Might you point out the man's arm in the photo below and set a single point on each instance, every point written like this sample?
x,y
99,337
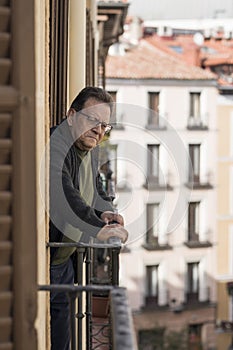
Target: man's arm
x,y
67,205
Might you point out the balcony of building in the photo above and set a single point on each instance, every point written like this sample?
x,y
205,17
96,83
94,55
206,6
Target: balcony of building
x,y
100,317
198,123
197,240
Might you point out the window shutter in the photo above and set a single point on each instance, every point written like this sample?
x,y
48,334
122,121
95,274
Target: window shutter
x,y
7,103
58,59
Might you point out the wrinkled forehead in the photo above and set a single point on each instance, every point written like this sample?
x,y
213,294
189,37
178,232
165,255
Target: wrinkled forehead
x,y
97,109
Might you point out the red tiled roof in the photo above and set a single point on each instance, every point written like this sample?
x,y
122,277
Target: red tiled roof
x,y
148,62
215,61
210,54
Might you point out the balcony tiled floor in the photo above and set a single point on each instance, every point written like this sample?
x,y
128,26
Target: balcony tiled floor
x,y
100,333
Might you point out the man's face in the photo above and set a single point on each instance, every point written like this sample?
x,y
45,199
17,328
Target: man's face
x,y
86,135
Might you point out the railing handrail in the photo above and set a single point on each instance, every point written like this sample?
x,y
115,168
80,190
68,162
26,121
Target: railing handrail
x,y
74,288
111,244
122,324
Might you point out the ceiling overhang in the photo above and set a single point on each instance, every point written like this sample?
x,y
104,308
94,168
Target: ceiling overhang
x,y
111,18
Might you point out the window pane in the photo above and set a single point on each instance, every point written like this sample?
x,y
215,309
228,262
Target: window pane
x,y
114,118
154,101
193,221
153,161
153,113
193,277
152,280
194,171
195,104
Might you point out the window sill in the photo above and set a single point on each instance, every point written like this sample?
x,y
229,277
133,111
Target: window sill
x,y
151,302
154,186
156,247
198,244
155,127
155,306
199,186
198,127
195,304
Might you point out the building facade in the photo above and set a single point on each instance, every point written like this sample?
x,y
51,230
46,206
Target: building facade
x,y
165,144
39,76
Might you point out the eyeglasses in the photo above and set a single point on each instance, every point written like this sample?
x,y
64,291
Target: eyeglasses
x,y
94,122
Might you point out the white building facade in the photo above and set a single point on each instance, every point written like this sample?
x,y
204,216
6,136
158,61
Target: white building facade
x,y
164,161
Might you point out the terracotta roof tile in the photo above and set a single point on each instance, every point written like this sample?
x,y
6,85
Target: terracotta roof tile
x,y
148,62
210,54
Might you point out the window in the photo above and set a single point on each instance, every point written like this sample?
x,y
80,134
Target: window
x,y
153,163
195,105
193,282
108,168
114,97
193,221
152,224
152,284
194,171
196,120
117,115
153,113
176,48
194,337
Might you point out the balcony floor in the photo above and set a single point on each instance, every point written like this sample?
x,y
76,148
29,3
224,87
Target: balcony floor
x,y
101,333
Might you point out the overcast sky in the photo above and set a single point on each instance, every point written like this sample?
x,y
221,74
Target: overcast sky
x,y
178,9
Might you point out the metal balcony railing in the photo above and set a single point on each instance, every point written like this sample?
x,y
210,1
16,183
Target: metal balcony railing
x,y
107,325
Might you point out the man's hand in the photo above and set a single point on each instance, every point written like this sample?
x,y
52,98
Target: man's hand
x,y
114,230
109,216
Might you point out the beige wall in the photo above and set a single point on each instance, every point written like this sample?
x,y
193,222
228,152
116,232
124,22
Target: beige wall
x,y
225,114
225,218
77,48
223,340
224,128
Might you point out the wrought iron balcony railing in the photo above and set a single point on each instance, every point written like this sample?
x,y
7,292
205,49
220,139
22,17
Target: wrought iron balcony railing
x,y
100,316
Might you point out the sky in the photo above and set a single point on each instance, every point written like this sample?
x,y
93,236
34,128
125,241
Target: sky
x,y
181,9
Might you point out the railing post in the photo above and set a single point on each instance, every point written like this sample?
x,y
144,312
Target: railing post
x,y
72,298
80,315
88,300
115,251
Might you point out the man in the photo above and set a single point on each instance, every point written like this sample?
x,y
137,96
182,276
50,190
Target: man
x,y
79,208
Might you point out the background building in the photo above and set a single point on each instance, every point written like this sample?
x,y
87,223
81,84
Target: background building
x,y
178,9
166,114
210,49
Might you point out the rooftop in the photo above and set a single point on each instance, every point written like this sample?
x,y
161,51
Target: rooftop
x,y
213,54
148,61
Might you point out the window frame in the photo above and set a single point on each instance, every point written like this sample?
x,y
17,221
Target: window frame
x,y
194,221
152,292
153,171
152,237
192,292
195,163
